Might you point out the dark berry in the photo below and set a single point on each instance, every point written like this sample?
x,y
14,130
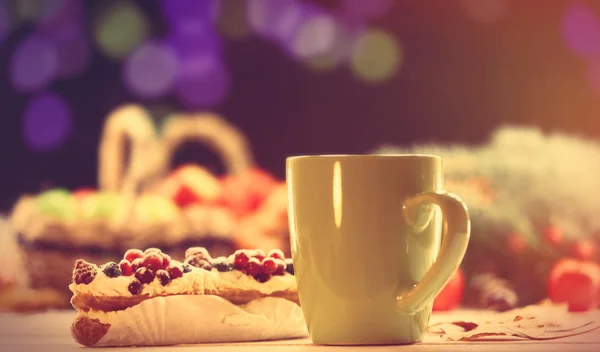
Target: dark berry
x,y
289,266
199,252
135,287
269,266
145,275
166,260
164,277
262,277
152,250
199,263
152,261
186,268
136,264
240,260
276,253
280,267
222,264
126,268
112,269
175,272
84,272
133,254
254,267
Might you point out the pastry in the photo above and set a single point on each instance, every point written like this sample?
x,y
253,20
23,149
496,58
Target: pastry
x,y
151,283
141,203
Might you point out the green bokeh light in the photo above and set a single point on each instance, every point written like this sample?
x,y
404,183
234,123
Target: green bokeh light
x,y
376,56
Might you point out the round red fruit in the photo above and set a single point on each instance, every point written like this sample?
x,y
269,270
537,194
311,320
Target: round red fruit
x,y
553,235
133,254
152,261
452,294
280,271
144,275
166,260
269,266
584,249
126,267
152,250
276,253
175,272
137,263
253,267
576,283
240,260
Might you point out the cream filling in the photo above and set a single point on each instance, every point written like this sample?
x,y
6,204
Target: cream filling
x,y
195,282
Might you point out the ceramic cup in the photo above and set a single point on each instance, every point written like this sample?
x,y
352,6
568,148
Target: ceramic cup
x,y
374,239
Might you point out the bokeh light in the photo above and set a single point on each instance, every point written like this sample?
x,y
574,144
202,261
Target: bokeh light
x,y
581,31
206,90
34,63
376,56
315,37
74,56
368,9
150,71
264,16
190,12
232,22
120,29
46,122
198,52
485,11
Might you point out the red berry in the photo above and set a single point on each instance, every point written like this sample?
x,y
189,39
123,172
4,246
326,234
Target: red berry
x,y
553,235
175,272
254,267
240,260
280,267
584,249
133,254
135,287
152,261
163,277
575,282
137,263
166,260
260,257
276,253
152,250
145,275
84,272
269,266
126,267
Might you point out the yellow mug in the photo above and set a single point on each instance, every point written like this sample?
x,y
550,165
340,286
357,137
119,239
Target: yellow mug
x,y
374,240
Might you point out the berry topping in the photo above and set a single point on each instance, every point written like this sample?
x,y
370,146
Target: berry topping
x,y
262,277
175,272
289,266
126,268
137,263
133,254
111,269
84,272
135,287
152,261
199,262
222,264
276,253
199,252
186,268
254,267
164,277
145,275
280,271
166,260
269,266
152,250
240,260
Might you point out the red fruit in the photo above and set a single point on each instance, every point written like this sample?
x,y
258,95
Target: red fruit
x,y
253,267
280,267
276,253
452,294
163,277
135,287
137,263
244,192
152,261
126,267
191,184
145,275
133,254
166,260
516,243
553,235
269,266
84,272
81,193
175,272
584,249
240,260
152,250
575,282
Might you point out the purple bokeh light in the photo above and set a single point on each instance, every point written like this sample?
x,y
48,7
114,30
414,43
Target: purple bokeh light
x,y
46,122
34,63
366,9
182,13
204,91
151,70
581,31
264,16
316,36
197,52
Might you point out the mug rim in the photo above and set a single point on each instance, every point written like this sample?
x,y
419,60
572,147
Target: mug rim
x,y
369,156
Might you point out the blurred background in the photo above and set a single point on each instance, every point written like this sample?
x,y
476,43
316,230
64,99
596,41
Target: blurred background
x,y
296,76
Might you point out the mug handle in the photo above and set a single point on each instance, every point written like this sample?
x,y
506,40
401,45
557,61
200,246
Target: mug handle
x,y
456,231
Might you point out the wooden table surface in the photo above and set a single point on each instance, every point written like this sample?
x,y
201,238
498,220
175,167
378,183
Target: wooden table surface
x,y
50,332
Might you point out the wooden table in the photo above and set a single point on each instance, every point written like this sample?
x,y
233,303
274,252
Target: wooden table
x,y
49,332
